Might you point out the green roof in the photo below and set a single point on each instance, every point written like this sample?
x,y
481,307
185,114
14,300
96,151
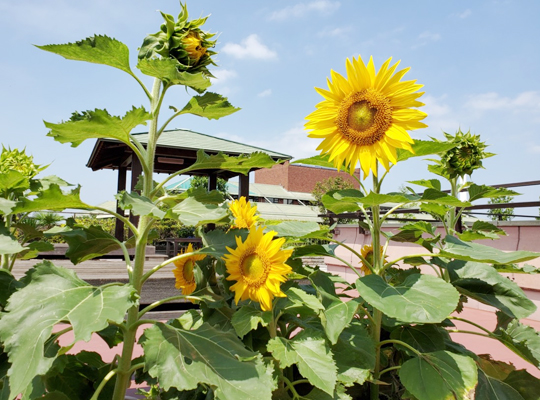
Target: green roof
x,y
189,140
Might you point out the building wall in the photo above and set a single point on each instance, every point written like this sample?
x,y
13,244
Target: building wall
x,y
299,178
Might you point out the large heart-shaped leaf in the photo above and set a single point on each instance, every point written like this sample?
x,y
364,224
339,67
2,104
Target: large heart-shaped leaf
x,y
8,286
311,353
98,49
98,124
184,358
484,283
424,338
166,69
439,375
527,385
241,164
419,299
216,242
340,201
424,148
192,212
468,251
247,318
209,105
477,192
53,295
490,388
521,339
139,205
52,199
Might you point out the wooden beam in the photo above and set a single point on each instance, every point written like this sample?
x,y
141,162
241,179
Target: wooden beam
x,y
136,171
243,186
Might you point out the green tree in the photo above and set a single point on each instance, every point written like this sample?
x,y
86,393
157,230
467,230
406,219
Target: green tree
x,y
202,182
324,186
501,214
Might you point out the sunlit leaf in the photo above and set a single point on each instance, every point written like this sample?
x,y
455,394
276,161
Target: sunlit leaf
x,y
216,242
477,192
53,295
6,206
139,205
424,338
53,199
34,248
521,339
166,69
431,183
424,148
209,105
12,181
340,201
8,245
241,164
419,299
312,355
294,228
247,318
98,124
192,212
320,161
184,358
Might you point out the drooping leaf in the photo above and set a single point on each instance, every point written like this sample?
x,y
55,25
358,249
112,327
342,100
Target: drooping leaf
x,y
314,250
354,354
439,375
481,230
247,318
53,295
485,284
8,245
184,358
319,161
424,338
98,124
52,199
209,105
193,213
299,296
340,201
166,69
311,354
337,314
527,385
45,182
477,192
98,49
241,164
294,228
139,205
429,183
34,248
490,388
419,299
424,148
468,251
521,339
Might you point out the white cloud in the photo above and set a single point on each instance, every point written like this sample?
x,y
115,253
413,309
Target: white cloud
x,y
250,47
526,101
265,93
222,76
323,7
440,117
336,32
425,38
464,14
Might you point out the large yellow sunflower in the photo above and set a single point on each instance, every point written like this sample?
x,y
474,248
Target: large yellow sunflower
x,y
243,213
366,116
367,253
258,267
183,271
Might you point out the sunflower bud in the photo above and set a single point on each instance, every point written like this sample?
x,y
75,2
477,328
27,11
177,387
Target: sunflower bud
x,y
19,161
183,41
466,156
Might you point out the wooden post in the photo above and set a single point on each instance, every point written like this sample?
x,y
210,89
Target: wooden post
x,y
136,171
119,226
212,182
243,186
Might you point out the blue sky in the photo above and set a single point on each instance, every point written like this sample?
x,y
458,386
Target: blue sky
x,y
479,62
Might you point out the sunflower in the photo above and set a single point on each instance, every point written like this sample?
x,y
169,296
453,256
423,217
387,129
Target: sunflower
x,y
185,277
367,253
366,116
194,46
243,213
258,267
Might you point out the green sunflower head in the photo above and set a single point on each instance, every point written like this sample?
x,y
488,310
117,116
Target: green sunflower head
x,y
18,160
466,156
183,41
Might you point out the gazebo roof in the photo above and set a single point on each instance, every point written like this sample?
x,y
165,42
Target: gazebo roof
x,y
176,149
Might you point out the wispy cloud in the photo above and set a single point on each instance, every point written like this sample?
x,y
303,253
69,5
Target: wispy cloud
x,y
250,47
265,93
465,14
323,7
526,101
335,32
440,117
425,38
223,76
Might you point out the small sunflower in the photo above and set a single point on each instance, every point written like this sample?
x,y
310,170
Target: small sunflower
x,y
184,274
258,267
194,46
243,213
367,253
366,116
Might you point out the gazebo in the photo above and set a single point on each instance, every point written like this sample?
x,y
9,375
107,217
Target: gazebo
x,y
176,150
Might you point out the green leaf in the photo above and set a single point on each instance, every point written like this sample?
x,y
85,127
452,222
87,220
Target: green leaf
x,y
53,295
182,359
320,161
486,285
192,212
354,353
437,197
55,396
166,69
477,192
209,105
468,251
299,296
314,250
424,338
96,49
98,124
340,201
522,340
424,148
311,353
419,299
139,205
247,318
52,199
216,241
431,183
13,181
490,388
8,245
439,375
34,248
526,384
294,228
8,286
337,314
340,393
241,164
6,206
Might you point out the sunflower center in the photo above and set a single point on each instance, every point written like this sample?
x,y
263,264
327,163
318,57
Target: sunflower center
x,y
254,269
188,271
364,117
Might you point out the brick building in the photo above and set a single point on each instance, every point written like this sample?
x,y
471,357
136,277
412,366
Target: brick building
x,y
298,177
